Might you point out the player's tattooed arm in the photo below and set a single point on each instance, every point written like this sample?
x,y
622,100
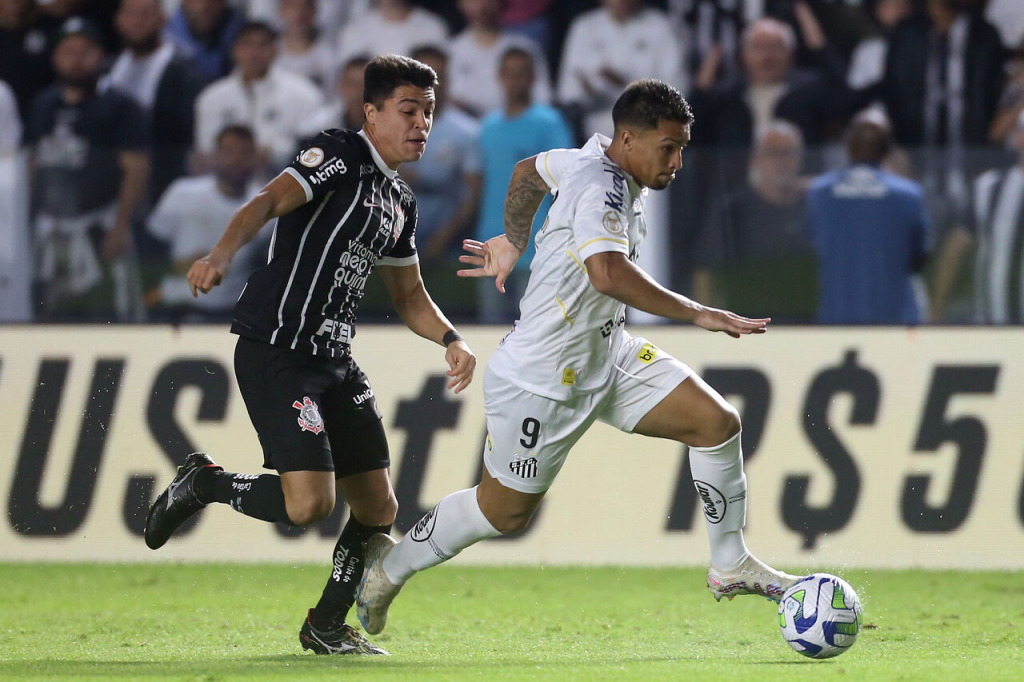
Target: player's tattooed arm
x,y
526,191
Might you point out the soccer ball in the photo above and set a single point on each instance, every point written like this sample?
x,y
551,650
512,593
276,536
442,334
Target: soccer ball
x,y
820,616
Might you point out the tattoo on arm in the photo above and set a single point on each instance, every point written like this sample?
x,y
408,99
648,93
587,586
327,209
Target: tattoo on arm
x,y
526,191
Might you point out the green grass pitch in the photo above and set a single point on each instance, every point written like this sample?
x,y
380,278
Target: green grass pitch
x,y
240,622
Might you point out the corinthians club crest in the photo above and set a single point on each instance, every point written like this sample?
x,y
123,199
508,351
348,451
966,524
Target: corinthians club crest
x,y
309,415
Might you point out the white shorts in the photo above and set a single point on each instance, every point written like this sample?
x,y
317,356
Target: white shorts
x,y
529,436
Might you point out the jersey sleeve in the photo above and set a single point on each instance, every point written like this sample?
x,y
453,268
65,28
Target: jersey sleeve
x,y
324,165
600,222
553,165
404,251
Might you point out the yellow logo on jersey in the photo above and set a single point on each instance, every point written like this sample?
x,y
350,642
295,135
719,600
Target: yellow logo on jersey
x,y
490,443
569,377
647,353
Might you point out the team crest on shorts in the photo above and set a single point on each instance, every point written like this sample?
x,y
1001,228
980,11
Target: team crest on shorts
x,y
523,467
309,415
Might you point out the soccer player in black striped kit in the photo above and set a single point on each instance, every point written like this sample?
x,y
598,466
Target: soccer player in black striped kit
x,y
341,209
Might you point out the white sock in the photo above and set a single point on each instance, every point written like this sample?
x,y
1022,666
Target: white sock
x,y
722,490
447,529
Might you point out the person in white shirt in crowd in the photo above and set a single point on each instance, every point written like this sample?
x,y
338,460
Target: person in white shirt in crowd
x,y
302,48
608,48
190,218
475,56
447,179
346,111
162,81
271,101
391,27
10,132
331,15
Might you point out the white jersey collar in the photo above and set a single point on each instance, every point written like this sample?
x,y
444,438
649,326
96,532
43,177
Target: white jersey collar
x,y
598,144
384,168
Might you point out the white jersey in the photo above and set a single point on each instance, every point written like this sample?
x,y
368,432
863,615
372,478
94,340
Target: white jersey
x,y
568,334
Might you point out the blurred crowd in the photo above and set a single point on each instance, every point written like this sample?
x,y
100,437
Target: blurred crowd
x,y
852,161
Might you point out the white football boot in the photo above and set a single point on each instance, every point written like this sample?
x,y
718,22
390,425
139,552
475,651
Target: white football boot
x,y
750,577
375,592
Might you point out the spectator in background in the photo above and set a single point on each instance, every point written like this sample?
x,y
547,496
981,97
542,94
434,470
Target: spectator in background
x,y
755,255
475,53
301,49
734,112
708,25
610,47
999,210
346,112
205,30
867,64
191,217
391,27
162,82
943,78
10,131
1011,103
528,18
272,102
446,179
509,135
26,41
89,177
331,15
870,230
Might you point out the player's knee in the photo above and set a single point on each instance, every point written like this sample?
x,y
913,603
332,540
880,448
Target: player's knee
x,y
726,425
310,509
376,512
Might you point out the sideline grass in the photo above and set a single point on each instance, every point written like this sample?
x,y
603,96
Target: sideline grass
x,y
240,622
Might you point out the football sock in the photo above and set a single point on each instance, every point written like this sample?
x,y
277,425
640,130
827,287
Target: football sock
x,y
722,490
340,592
450,527
259,496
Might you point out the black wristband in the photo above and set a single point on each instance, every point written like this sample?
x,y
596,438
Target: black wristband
x,y
450,337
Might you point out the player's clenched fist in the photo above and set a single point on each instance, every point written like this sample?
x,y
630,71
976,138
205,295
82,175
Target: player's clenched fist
x,y
206,273
462,362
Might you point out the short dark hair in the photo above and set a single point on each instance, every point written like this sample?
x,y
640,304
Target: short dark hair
x,y
236,130
517,51
256,27
868,142
390,71
427,51
645,103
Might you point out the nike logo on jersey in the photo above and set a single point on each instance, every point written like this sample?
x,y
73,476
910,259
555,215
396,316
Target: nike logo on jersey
x,y
369,204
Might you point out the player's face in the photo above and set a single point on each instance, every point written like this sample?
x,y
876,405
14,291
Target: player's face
x,y
402,124
654,156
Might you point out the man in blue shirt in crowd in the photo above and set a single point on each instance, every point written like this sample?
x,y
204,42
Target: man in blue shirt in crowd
x,y
870,229
519,131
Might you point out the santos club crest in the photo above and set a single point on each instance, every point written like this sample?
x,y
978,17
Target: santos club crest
x,y
309,415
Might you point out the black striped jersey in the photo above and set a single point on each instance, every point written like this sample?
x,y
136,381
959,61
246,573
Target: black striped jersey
x,y
358,213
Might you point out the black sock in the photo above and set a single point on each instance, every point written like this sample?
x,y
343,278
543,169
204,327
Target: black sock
x,y
259,496
340,592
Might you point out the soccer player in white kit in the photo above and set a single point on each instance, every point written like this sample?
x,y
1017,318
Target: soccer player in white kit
x,y
568,361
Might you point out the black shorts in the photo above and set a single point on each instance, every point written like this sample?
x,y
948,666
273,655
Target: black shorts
x,y
311,413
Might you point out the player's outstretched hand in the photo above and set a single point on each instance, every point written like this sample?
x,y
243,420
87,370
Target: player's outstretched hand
x,y
206,273
715,320
462,362
494,258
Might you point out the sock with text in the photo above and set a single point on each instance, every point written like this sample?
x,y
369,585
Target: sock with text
x,y
722,490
